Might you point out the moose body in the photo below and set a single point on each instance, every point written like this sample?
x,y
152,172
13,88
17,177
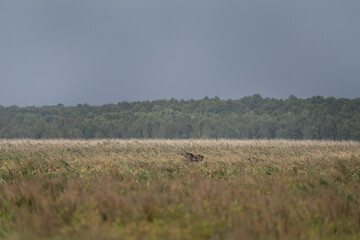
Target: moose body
x,y
192,157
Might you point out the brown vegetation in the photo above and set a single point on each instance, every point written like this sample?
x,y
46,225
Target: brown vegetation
x,y
142,189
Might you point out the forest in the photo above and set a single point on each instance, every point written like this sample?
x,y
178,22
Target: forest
x,y
252,117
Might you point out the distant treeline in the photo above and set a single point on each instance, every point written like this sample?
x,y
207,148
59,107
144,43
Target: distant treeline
x,y
248,117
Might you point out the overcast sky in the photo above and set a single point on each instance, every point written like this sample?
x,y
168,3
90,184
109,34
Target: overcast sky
x,y
108,51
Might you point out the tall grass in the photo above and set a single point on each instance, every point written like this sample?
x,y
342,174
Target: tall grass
x,y
143,189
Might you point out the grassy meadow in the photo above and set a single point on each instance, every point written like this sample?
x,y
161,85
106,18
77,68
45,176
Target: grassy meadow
x,y
143,189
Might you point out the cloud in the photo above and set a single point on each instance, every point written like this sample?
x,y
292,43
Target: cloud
x,y
98,52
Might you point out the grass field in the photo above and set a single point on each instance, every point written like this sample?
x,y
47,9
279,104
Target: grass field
x,y
143,189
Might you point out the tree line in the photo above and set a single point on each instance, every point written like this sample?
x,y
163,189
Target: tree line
x,y
250,117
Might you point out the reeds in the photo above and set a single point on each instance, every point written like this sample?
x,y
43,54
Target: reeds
x,y
142,189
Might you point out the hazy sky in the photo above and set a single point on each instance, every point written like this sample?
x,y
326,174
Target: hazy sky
x,y
107,51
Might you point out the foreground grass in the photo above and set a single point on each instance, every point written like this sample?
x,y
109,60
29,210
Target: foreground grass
x,y
142,189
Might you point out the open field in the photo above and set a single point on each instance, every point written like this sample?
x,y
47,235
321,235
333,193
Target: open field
x,y
143,189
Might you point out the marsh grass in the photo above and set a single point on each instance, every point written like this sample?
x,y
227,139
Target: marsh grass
x,y
143,189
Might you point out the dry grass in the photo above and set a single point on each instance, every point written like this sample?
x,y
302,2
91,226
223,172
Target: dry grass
x,y
142,189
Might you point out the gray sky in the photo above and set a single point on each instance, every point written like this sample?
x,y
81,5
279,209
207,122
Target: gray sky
x,y
107,51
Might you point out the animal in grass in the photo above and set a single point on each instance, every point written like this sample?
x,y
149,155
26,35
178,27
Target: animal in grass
x,y
191,157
